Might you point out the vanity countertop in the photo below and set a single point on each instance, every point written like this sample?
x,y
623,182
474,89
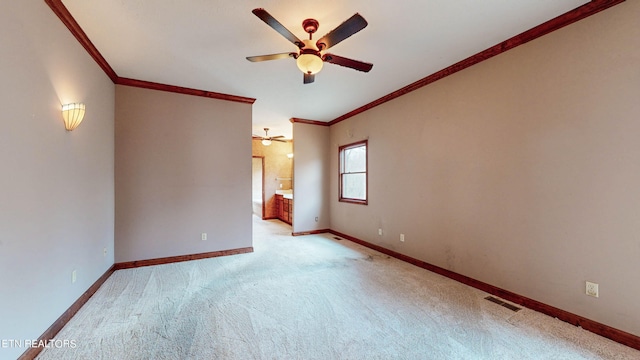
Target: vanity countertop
x,y
287,194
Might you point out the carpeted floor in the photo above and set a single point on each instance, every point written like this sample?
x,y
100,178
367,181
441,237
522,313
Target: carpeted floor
x,y
310,297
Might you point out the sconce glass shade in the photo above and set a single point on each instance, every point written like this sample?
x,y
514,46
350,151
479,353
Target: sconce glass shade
x,y
309,63
72,115
266,142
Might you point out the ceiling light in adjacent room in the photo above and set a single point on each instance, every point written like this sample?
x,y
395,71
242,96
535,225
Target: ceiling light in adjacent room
x,y
266,142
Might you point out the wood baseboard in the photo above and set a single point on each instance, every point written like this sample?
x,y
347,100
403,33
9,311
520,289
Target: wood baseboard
x,y
180,258
53,330
609,332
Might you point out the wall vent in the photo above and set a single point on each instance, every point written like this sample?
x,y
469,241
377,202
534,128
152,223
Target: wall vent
x,y
502,303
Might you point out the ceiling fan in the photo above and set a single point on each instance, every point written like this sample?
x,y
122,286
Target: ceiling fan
x,y
310,56
266,139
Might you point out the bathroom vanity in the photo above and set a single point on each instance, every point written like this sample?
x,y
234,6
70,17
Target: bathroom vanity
x,y
284,205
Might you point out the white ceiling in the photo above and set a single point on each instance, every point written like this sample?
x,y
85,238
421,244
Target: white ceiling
x,y
202,44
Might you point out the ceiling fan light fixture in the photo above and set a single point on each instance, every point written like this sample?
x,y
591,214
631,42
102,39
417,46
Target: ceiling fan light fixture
x,y
310,58
309,63
266,142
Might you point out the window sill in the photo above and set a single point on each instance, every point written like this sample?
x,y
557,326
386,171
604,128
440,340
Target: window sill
x,y
354,201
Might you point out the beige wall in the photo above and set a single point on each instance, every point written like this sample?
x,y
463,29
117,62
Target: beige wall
x,y
183,167
277,167
56,187
311,177
521,171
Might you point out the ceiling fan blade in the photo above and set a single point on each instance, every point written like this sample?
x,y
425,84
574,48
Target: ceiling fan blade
x,y
308,78
350,63
276,137
275,24
351,26
270,57
281,140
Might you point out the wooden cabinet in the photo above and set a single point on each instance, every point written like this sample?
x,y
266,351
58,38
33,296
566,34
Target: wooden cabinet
x,y
279,208
284,209
288,210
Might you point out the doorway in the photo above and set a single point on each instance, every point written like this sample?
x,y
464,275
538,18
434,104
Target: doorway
x,y
257,185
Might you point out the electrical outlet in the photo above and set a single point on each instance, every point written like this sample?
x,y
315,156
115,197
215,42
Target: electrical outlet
x,y
402,237
203,236
73,276
316,219
592,289
104,252
380,232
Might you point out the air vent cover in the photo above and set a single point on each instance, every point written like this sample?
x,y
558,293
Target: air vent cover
x,y
502,303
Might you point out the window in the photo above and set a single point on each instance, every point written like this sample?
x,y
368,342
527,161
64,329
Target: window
x,y
353,173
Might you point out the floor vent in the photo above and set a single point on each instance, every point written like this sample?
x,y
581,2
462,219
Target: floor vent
x,y
502,303
337,238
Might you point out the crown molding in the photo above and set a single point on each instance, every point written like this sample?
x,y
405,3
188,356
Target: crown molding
x,y
65,16
67,19
577,14
310,122
182,90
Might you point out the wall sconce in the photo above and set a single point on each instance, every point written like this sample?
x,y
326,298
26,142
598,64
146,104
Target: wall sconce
x,y
290,156
72,115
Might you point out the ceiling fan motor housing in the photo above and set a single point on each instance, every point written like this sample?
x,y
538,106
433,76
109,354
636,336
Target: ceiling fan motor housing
x,y
310,26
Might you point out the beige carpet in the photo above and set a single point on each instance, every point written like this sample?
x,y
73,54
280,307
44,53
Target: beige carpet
x,y
310,297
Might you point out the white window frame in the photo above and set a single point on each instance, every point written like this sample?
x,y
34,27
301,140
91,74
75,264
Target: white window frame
x,y
342,173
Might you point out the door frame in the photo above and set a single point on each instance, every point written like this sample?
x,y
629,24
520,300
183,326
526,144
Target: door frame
x,y
262,161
